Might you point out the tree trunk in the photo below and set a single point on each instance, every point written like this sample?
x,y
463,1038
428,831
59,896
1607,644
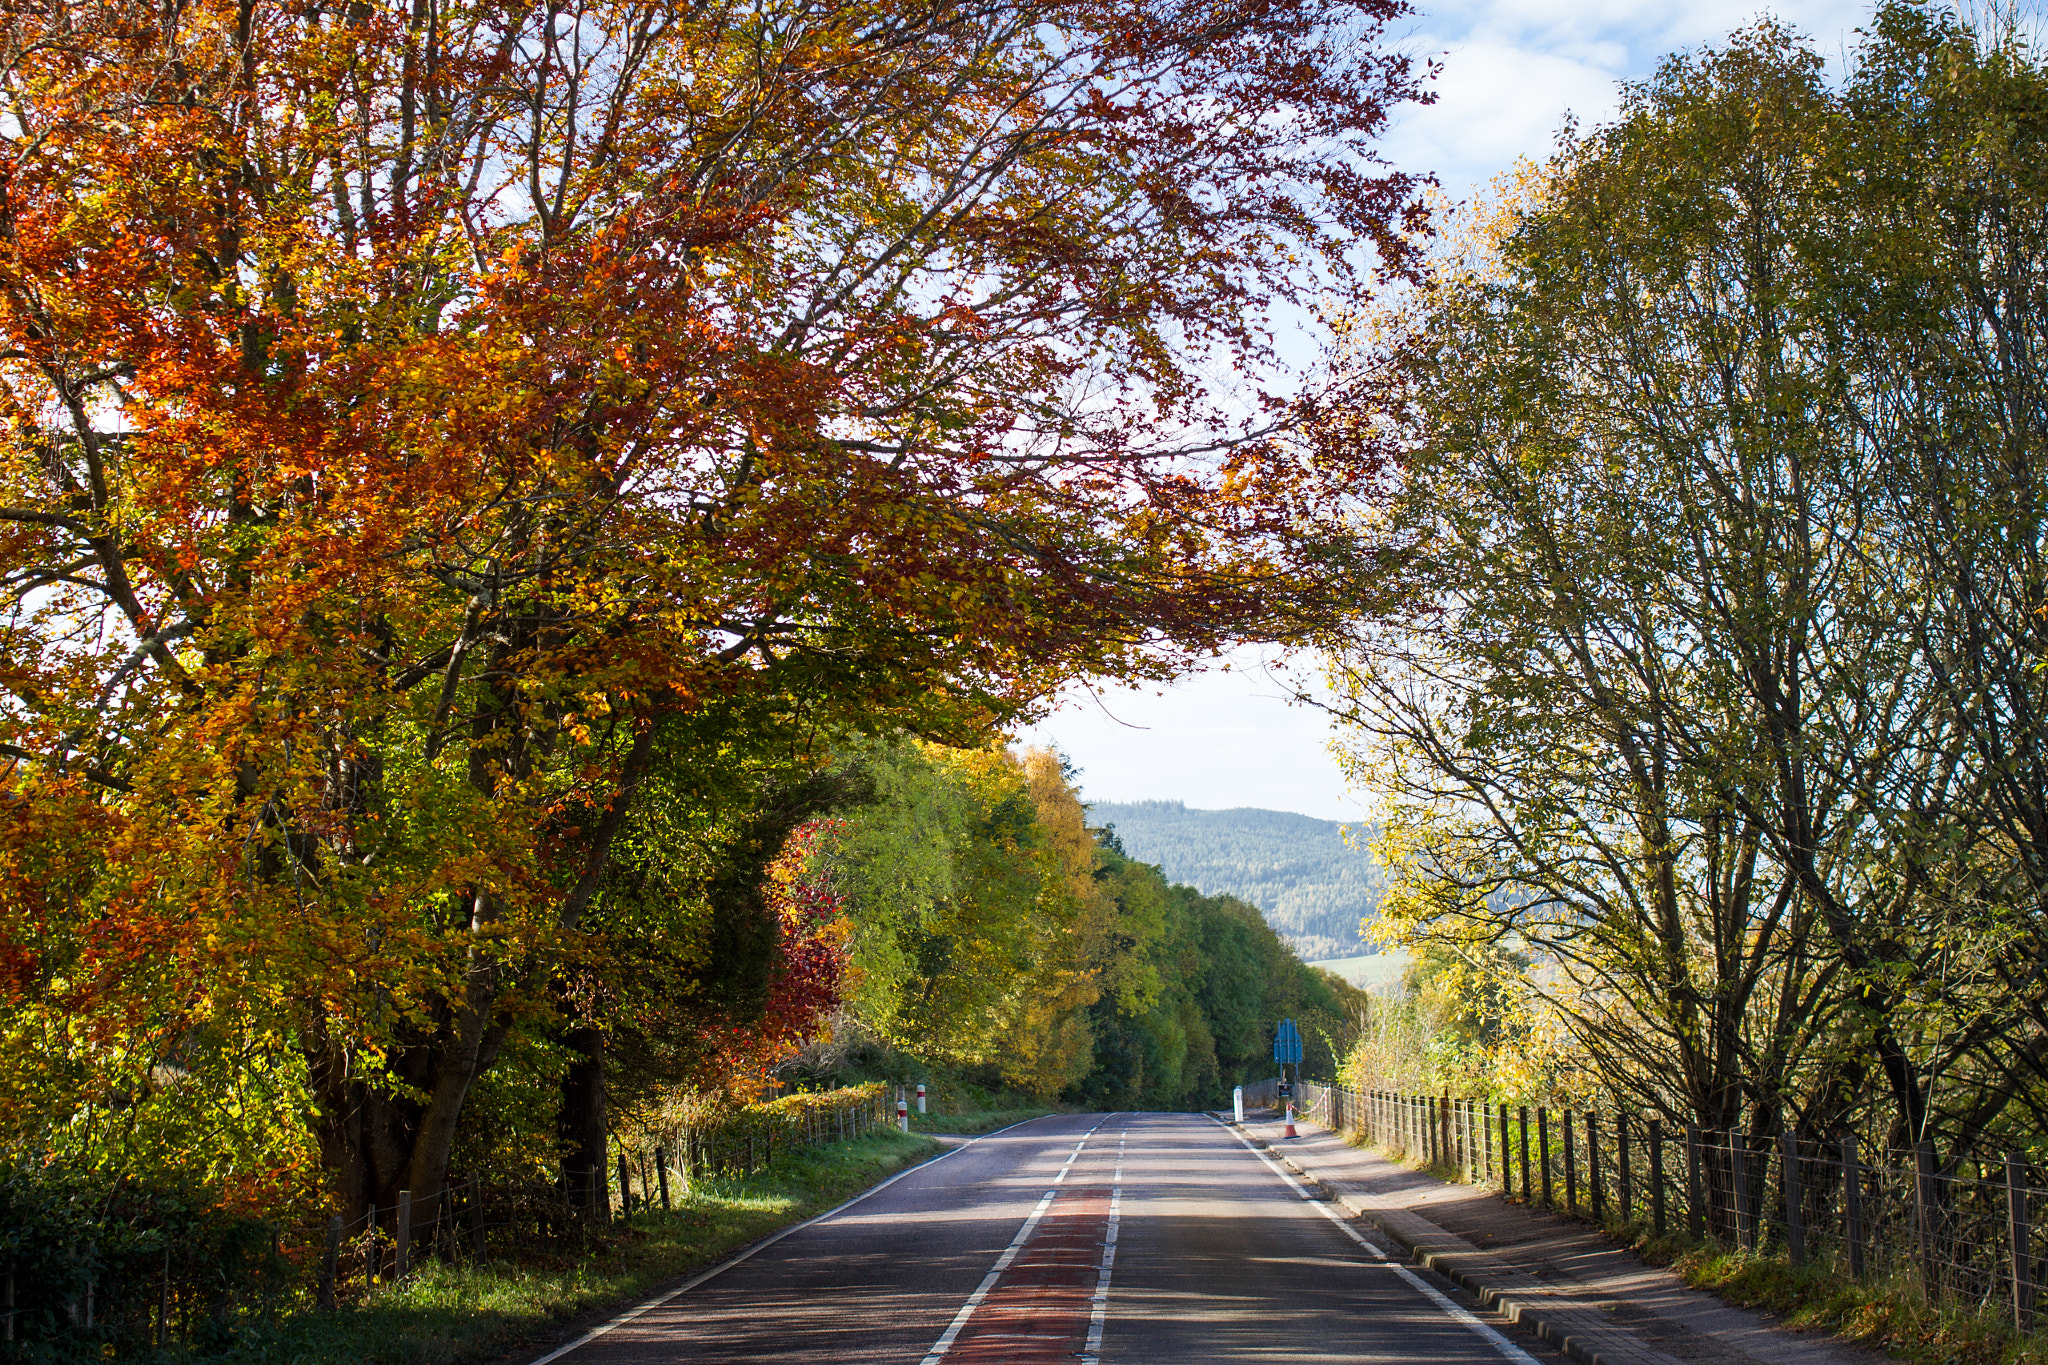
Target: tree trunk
x,y
581,1124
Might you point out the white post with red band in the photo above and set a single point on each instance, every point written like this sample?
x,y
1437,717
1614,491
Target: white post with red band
x,y
920,1097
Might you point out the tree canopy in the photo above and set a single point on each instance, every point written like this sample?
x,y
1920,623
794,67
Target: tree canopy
x,y
470,471
1719,700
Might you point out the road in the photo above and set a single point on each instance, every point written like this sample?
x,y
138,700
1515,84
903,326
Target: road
x,y
1119,1238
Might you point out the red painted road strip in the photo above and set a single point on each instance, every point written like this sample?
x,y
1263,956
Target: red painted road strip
x,y
1038,1310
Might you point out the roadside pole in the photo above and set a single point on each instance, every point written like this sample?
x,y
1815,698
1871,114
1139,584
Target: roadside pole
x,y
1287,1052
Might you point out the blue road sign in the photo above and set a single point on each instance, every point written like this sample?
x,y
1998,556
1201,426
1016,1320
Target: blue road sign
x,y
1287,1043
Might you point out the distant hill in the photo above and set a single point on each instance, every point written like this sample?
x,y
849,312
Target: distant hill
x,y
1312,886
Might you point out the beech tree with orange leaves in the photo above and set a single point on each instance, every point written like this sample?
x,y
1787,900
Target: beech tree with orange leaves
x,y
411,408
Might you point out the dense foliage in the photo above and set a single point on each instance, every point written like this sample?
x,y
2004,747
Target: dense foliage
x,y
464,468
1715,738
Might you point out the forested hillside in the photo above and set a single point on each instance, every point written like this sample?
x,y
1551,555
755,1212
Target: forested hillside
x,y
1312,885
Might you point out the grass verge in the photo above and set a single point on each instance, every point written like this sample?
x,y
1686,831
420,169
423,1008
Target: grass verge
x,y
1887,1315
447,1314
974,1123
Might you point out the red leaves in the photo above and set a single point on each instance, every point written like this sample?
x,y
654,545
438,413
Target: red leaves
x,y
409,408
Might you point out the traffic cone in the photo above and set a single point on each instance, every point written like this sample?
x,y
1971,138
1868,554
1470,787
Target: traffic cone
x,y
1290,1120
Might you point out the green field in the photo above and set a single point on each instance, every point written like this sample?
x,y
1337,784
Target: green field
x,y
1373,969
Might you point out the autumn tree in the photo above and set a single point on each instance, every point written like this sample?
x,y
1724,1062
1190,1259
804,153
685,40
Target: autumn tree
x,y
1706,704
411,408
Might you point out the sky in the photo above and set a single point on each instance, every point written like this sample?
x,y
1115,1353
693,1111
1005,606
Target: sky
x,y
1512,70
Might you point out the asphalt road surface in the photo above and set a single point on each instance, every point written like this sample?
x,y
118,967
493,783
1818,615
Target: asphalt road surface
x,y
1127,1237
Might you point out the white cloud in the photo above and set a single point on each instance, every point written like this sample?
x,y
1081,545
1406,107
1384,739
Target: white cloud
x,y
1511,71
1214,740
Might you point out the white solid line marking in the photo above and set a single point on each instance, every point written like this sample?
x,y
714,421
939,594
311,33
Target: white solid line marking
x,y
687,1285
988,1281
1489,1335
1091,1354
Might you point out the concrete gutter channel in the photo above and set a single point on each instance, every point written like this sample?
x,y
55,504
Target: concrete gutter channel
x,y
1587,1322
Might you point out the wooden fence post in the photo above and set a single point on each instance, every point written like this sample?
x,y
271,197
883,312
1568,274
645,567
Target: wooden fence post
x,y
1525,1153
1738,1177
1571,1168
1593,1169
1695,1206
373,1259
1852,1206
1793,1186
625,1188
402,1243
1626,1188
1656,1177
330,1266
1486,1139
1923,1214
1543,1149
2020,1231
1507,1156
661,1169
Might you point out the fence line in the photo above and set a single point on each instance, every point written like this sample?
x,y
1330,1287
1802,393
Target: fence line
x,y
1961,1232
150,1281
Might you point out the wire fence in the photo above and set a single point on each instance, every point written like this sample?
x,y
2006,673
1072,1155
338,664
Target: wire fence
x,y
115,1272
1959,1231
1265,1093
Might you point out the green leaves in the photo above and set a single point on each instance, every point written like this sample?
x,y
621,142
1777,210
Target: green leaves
x,y
1723,566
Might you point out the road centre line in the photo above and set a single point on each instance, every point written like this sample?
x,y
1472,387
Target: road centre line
x,y
1091,1354
746,1253
1489,1335
988,1281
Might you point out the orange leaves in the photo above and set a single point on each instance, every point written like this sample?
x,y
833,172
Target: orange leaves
x,y
415,409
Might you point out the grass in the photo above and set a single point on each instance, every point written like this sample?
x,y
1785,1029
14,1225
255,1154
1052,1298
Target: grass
x,y
448,1314
1887,1315
986,1122
1368,969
